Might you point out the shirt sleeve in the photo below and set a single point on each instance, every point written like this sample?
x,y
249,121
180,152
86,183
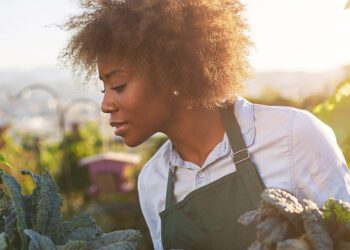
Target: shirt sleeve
x,y
319,167
146,206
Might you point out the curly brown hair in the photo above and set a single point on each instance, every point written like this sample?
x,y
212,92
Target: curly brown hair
x,y
199,46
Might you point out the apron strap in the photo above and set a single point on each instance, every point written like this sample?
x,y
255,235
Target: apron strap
x,y
244,165
169,190
233,130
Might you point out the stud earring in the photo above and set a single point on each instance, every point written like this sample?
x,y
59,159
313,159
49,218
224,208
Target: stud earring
x,y
175,92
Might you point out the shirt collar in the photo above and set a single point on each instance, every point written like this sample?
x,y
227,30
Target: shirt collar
x,y
221,149
244,113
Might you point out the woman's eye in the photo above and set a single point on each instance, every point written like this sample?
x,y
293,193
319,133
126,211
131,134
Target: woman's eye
x,y
104,89
119,88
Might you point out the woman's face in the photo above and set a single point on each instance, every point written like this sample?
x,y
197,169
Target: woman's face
x,y
137,108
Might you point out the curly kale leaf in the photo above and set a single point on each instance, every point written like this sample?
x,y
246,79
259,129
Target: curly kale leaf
x,y
38,241
28,208
10,218
42,208
4,203
35,177
81,227
54,222
48,203
126,239
35,197
14,191
124,245
73,245
3,241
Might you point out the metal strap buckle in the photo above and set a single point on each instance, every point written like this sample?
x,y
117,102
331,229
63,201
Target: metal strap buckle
x,y
241,160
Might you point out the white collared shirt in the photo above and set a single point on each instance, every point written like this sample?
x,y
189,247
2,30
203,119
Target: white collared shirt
x,y
291,148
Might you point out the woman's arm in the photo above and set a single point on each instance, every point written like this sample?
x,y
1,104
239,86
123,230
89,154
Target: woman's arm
x,y
319,167
145,199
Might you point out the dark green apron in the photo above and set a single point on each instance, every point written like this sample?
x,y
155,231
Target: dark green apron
x,y
207,217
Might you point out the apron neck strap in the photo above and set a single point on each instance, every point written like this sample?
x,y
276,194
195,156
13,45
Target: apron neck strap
x,y
170,190
233,130
244,166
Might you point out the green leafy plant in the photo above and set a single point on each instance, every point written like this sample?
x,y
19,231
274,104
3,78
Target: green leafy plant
x,y
334,112
34,221
284,223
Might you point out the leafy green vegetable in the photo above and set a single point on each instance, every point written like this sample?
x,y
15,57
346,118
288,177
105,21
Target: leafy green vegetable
x,y
3,242
81,227
73,245
126,239
14,190
34,221
340,210
48,205
327,227
38,241
10,223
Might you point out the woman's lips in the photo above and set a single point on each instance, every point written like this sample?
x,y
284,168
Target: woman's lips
x,y
119,128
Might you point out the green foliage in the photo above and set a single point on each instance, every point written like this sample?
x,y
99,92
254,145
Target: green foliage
x,y
335,112
81,227
4,162
335,109
34,221
3,241
38,241
338,210
12,151
47,204
73,245
77,144
14,192
116,240
283,222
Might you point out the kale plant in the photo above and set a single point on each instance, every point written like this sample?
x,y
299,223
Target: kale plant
x,y
34,221
284,223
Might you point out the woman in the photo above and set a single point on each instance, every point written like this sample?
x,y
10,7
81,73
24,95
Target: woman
x,y
176,67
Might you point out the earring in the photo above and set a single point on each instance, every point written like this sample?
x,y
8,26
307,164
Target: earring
x,y
175,92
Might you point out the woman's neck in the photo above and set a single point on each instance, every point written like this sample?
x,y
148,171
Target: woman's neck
x,y
194,133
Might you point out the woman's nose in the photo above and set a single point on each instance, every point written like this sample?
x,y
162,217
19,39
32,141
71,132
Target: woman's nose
x,y
107,105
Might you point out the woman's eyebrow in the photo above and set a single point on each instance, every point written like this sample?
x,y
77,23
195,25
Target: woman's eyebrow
x,y
109,74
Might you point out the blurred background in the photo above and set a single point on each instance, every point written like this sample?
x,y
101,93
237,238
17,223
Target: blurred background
x,y
51,119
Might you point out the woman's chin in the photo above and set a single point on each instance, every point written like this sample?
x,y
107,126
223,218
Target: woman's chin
x,y
133,142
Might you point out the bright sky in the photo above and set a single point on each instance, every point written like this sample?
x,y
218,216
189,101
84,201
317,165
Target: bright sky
x,y
289,35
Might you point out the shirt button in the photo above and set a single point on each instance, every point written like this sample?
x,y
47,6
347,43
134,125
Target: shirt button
x,y
201,174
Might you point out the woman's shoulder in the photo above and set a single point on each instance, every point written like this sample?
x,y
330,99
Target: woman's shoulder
x,y
316,166
284,120
299,121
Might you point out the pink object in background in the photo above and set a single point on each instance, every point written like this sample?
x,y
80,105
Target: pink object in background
x,y
107,171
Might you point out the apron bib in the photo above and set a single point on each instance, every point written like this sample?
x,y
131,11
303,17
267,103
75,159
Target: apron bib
x,y
207,217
